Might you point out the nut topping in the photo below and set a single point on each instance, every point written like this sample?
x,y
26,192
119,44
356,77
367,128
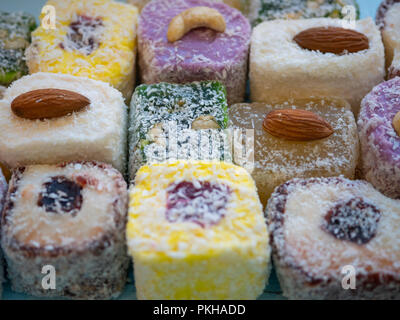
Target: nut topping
x,y
396,123
48,104
205,122
193,18
296,125
332,39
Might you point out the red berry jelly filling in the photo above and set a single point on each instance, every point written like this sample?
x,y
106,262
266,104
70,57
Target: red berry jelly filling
x,y
61,195
203,203
83,35
354,220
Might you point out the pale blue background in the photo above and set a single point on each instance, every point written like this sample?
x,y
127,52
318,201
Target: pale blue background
x,y
368,8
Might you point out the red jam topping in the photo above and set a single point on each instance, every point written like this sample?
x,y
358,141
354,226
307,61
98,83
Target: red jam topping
x,y
61,195
203,203
354,220
83,35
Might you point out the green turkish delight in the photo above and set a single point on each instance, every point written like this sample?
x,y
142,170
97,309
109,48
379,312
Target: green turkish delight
x,y
15,36
178,121
300,9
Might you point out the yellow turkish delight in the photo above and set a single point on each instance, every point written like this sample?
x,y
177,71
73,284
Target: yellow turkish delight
x,y
196,231
93,38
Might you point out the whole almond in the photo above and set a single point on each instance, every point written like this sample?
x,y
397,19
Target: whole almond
x,y
332,39
296,125
48,104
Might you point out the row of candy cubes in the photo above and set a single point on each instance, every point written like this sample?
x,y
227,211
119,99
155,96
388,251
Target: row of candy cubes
x,y
213,121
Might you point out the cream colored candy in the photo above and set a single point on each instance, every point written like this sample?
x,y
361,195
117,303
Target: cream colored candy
x,y
95,133
280,69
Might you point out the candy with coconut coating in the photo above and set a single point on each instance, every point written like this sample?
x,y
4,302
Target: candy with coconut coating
x,y
97,130
196,231
207,53
325,231
15,36
174,121
388,20
379,130
72,217
3,190
292,59
320,141
95,39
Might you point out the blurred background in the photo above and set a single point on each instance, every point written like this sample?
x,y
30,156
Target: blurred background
x,y
368,7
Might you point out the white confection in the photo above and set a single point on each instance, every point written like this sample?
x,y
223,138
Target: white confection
x,y
391,37
280,69
95,133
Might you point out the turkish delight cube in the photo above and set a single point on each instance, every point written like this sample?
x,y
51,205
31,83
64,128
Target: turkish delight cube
x,y
379,131
333,238
201,54
66,221
278,159
196,231
15,36
173,121
96,132
283,66
95,39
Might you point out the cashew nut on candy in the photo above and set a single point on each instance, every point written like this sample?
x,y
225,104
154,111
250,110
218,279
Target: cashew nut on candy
x,y
195,18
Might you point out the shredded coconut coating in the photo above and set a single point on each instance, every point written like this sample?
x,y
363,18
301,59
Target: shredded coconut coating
x,y
262,10
202,54
280,69
95,133
390,27
112,62
171,109
184,260
15,35
87,249
380,143
309,260
278,160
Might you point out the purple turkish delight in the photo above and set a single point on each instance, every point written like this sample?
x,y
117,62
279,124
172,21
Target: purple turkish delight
x,y
379,129
201,54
